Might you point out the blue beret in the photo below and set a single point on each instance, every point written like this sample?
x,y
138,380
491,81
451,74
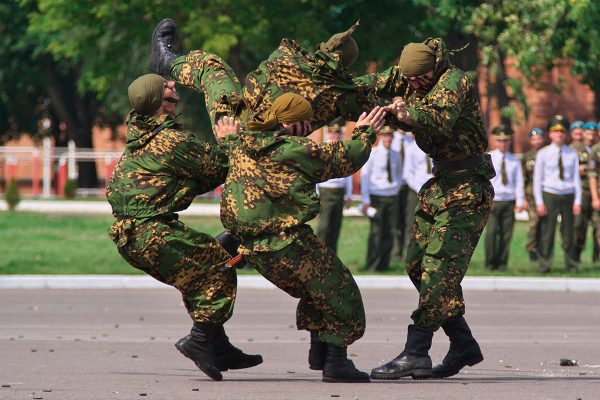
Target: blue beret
x,y
576,124
536,132
590,125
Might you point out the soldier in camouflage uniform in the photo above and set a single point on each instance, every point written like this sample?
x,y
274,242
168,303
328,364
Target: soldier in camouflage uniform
x,y
161,171
583,149
536,141
269,197
443,112
594,173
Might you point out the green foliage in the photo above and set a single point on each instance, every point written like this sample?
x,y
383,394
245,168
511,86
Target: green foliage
x,y
11,195
70,188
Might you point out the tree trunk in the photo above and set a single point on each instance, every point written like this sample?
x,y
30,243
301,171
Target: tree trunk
x,y
73,109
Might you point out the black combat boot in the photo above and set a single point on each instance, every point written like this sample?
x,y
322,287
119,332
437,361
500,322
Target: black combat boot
x,y
198,347
464,349
227,356
317,352
414,361
162,54
339,369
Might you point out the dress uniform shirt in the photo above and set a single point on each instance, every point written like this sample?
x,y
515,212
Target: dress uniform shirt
x,y
400,144
546,176
416,171
374,178
514,188
338,183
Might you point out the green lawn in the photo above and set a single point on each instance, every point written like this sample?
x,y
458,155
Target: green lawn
x,y
33,243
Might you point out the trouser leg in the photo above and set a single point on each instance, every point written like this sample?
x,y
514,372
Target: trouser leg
x,y
330,216
492,232
380,233
507,221
548,228
566,230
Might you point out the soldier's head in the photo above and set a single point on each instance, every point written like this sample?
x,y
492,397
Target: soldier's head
x,y
576,131
386,136
343,45
503,137
152,94
557,128
290,111
590,133
423,64
536,138
334,133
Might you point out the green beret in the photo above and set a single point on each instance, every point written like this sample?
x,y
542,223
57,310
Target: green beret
x,y
502,132
417,59
146,93
558,123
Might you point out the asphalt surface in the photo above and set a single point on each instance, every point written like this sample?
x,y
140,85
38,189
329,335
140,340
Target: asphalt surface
x,y
118,344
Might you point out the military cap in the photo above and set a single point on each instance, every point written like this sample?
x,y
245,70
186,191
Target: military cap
x,y
590,126
502,132
334,128
343,44
386,129
558,123
575,125
535,132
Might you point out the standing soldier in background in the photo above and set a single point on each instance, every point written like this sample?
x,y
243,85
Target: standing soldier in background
x,y
508,190
584,150
594,173
334,194
536,141
402,229
379,186
442,110
417,171
557,191
576,132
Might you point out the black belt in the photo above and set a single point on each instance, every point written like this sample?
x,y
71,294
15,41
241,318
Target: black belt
x,y
457,165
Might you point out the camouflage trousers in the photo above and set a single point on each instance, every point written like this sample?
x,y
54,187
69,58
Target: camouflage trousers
x,y
181,257
330,301
449,219
534,231
210,75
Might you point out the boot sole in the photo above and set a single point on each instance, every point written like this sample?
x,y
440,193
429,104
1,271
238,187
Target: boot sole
x,y
470,362
241,366
211,375
416,374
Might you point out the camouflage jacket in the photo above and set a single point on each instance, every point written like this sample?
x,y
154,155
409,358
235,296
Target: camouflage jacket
x,y
320,79
584,163
594,169
528,165
270,188
448,124
162,169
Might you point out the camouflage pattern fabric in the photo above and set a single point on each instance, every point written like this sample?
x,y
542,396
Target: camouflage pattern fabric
x,y
450,217
330,301
582,220
160,172
191,261
318,77
270,189
595,172
210,75
534,232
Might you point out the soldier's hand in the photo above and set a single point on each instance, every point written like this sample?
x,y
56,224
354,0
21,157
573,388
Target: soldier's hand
x,y
364,209
596,204
375,118
576,209
541,210
226,126
348,203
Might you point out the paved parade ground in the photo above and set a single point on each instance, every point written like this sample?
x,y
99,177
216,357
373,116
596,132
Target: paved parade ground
x,y
118,344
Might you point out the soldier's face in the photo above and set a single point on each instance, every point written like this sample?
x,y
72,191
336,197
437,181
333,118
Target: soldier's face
x,y
421,84
536,141
503,145
558,137
302,128
335,136
386,139
170,98
577,134
590,136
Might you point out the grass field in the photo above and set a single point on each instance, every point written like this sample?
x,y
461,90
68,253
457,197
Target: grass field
x,y
32,243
